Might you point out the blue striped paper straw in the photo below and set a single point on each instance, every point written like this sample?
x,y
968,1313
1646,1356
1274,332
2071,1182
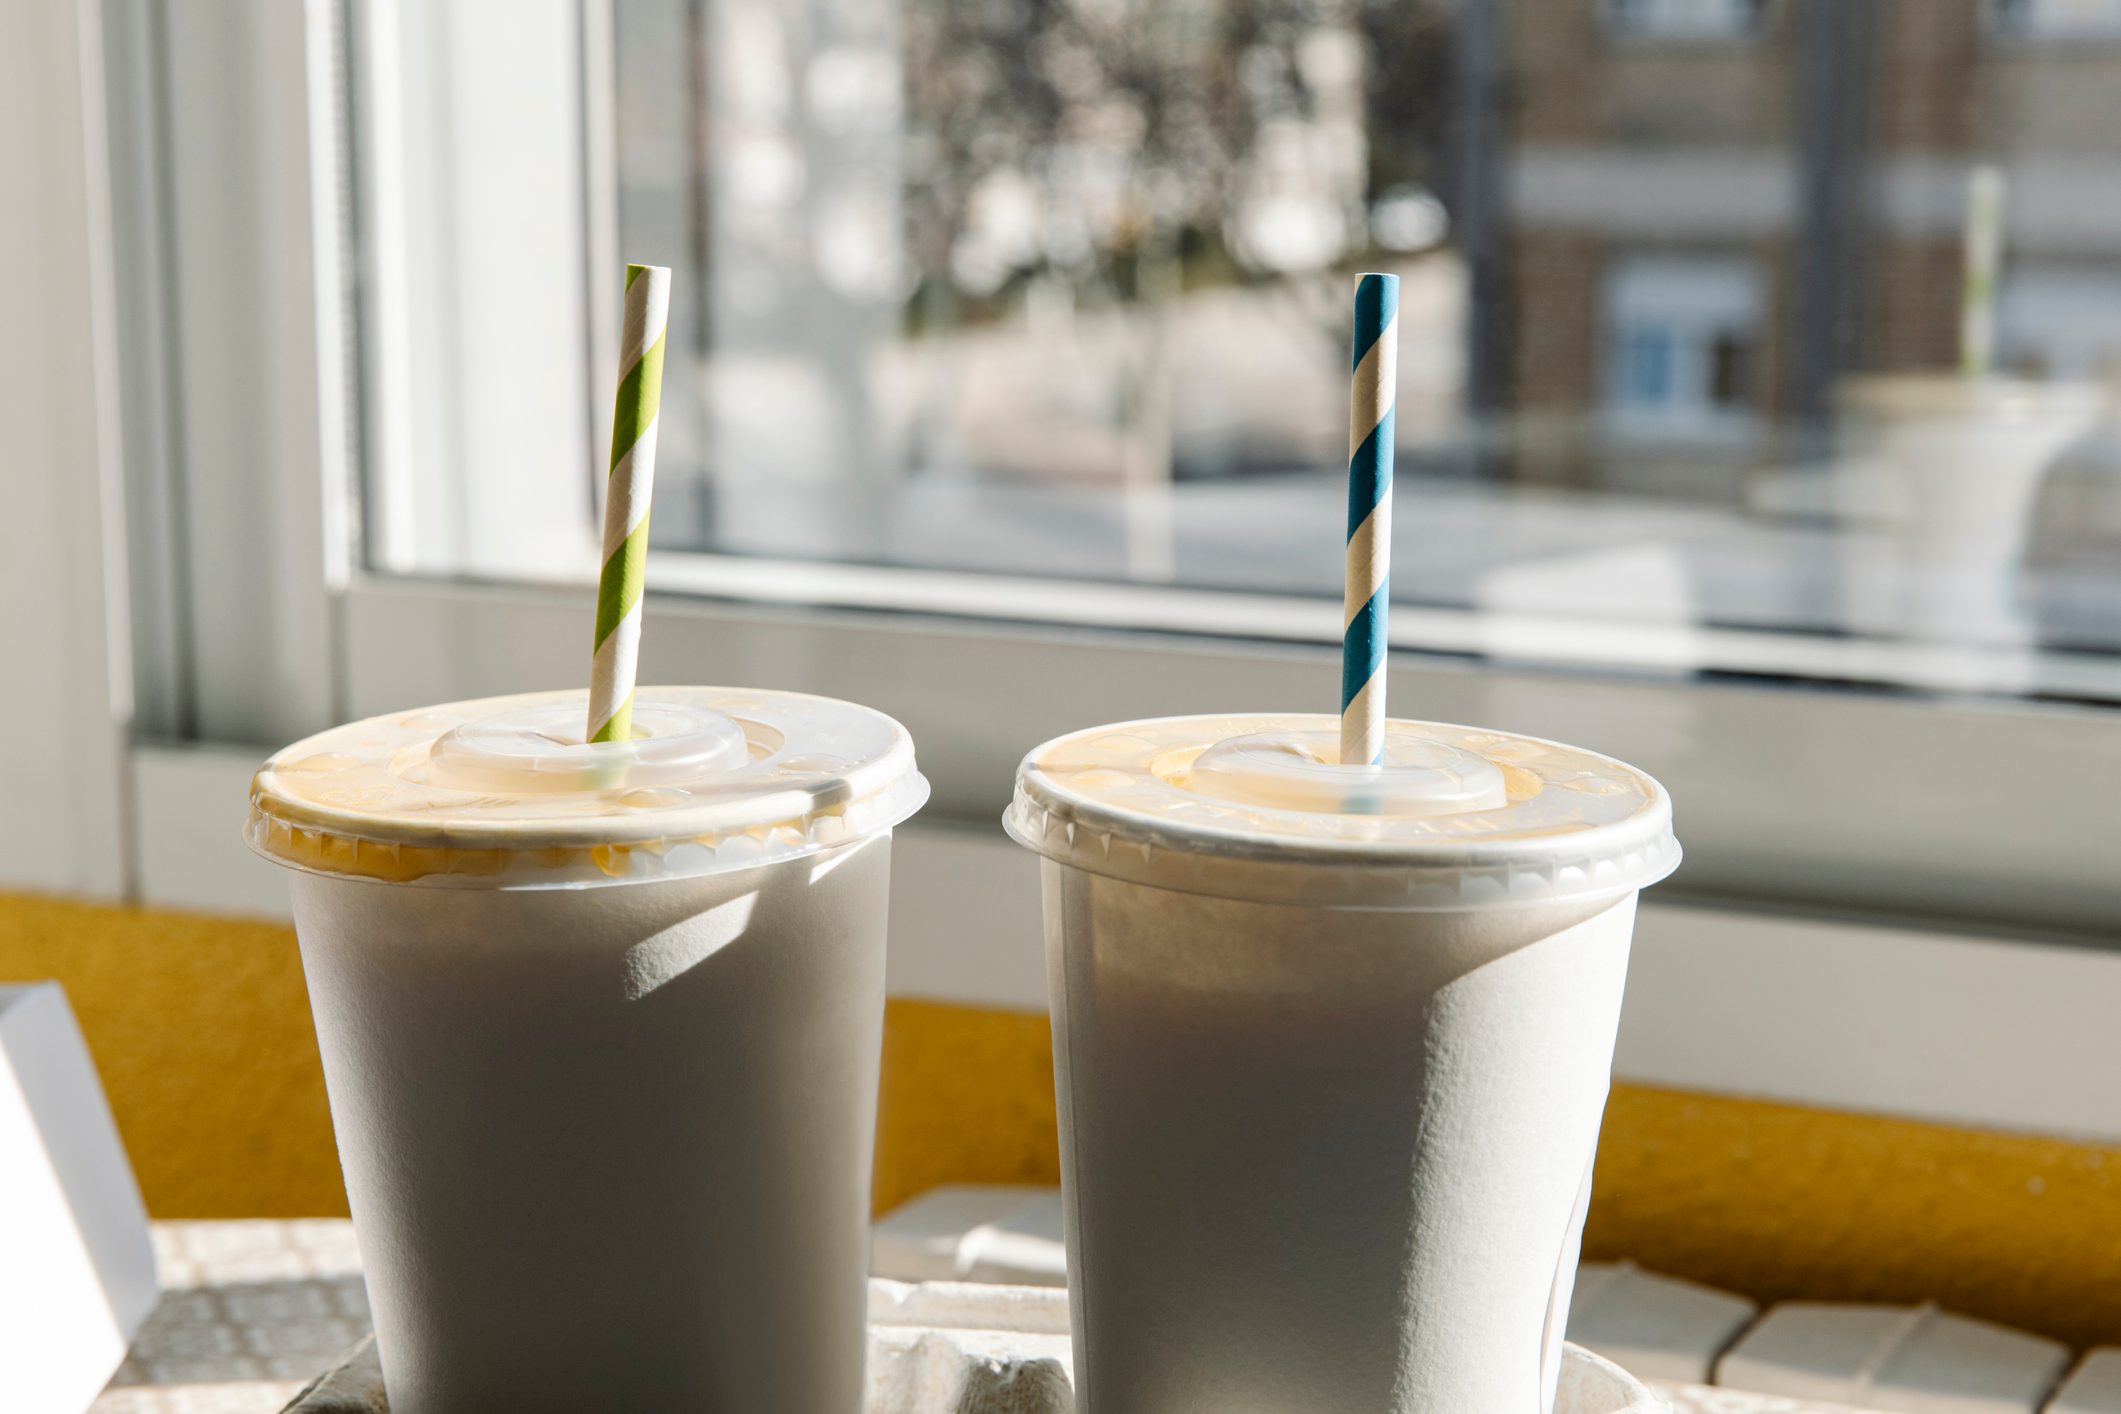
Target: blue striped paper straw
x,y
1369,582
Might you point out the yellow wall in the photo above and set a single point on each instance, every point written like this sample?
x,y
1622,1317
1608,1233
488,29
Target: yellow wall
x,y
200,1028
201,1031
1778,1201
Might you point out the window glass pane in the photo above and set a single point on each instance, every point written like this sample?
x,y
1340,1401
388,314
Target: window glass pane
x,y
2059,19
1645,367
1060,288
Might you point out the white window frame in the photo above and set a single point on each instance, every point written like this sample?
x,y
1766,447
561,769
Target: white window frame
x,y
62,563
1825,820
473,344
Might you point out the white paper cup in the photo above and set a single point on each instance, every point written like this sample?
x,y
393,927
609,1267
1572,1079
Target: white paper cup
x,y
1330,1079
602,1050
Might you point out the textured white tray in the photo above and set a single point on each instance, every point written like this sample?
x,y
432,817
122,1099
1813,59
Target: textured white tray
x,y
967,1348
964,1348
939,1370
250,1309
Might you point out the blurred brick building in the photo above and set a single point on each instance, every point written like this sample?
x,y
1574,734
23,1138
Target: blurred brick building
x,y
1709,211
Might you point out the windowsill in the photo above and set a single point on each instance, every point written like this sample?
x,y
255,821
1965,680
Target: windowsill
x,y
1826,799
1668,648
1697,431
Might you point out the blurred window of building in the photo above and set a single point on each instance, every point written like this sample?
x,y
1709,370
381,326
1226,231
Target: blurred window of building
x,y
1682,20
2056,20
2061,321
1679,337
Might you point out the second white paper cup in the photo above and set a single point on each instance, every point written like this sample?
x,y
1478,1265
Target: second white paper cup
x,y
1330,1079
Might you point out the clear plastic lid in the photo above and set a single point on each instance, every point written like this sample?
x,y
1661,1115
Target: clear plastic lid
x,y
1258,807
503,791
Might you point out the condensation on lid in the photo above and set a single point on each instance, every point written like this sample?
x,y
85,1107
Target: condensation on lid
x,y
1258,807
504,790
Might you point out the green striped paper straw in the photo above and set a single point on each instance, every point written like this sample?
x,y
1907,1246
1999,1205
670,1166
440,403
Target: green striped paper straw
x,y
1984,258
631,484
